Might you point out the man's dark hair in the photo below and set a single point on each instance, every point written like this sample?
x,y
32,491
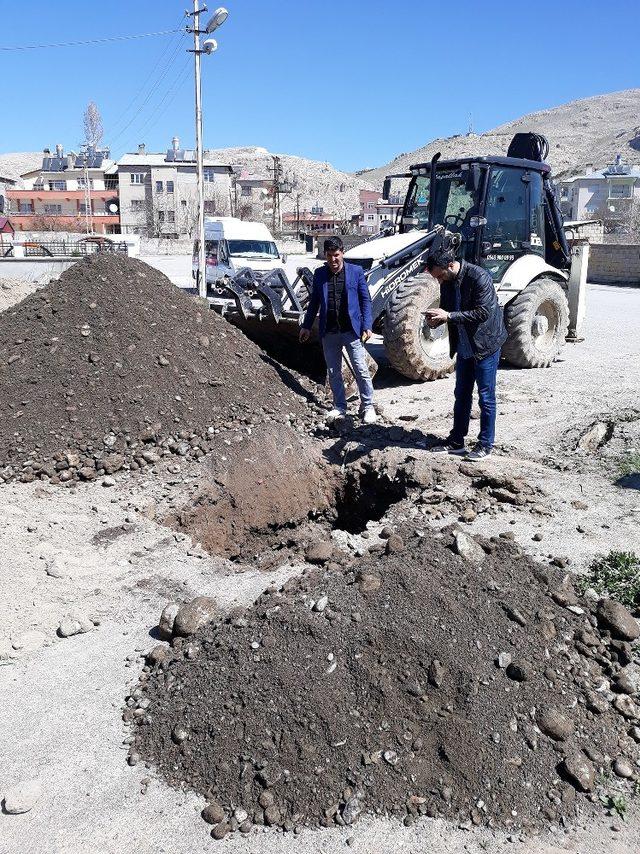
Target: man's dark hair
x,y
440,258
443,251
333,244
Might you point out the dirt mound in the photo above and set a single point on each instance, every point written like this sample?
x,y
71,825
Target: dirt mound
x,y
113,367
417,682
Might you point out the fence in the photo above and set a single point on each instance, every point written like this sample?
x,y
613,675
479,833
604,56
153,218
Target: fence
x,y
615,263
62,249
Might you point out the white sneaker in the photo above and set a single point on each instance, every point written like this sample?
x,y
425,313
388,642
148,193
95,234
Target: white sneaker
x,y
335,414
369,416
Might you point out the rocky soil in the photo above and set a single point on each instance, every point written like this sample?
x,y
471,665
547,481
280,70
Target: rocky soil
x,y
113,367
434,676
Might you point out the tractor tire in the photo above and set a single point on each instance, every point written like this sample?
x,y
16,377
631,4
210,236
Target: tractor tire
x,y
414,350
537,321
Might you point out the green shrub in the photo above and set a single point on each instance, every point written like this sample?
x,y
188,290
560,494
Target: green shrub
x,y
630,464
616,574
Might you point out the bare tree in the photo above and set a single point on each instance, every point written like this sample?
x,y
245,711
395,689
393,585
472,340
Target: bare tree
x,y
92,125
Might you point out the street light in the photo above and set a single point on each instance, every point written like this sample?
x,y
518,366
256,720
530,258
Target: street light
x,y
209,46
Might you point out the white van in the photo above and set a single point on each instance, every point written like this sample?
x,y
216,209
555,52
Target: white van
x,y
232,244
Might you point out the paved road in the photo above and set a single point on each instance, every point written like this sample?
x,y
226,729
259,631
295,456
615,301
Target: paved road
x,y
178,267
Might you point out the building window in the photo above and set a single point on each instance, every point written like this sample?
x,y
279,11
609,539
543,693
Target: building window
x,y
84,208
137,205
247,191
620,191
137,177
183,203
370,206
370,217
25,207
209,174
53,209
209,207
57,185
160,216
82,183
169,186
171,216
159,187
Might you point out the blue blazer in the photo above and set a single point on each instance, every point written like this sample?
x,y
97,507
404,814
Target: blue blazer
x,y
358,299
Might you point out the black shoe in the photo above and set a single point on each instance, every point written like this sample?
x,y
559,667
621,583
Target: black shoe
x,y
449,447
480,452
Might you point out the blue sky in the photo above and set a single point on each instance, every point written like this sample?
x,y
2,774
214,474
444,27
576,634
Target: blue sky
x,y
352,82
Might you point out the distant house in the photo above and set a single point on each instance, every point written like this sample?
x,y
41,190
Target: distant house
x,y
608,194
70,192
375,213
159,192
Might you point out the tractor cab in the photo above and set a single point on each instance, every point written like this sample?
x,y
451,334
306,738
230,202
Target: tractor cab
x,y
503,208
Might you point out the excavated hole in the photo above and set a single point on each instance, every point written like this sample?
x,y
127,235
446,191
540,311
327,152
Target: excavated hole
x,y
365,496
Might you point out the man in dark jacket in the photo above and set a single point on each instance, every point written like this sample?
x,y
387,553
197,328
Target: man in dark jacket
x,y
469,305
341,295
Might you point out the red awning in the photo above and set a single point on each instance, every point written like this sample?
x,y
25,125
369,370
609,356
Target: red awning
x,y
5,226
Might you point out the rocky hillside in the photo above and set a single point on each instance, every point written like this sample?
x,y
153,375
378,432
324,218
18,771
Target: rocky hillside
x,y
314,181
15,164
591,130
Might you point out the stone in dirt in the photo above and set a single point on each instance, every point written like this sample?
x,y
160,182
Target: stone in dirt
x,y
167,620
623,768
194,615
403,737
22,797
468,548
554,724
595,436
320,551
580,771
617,618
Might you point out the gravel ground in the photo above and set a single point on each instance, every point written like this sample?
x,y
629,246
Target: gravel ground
x,y
61,699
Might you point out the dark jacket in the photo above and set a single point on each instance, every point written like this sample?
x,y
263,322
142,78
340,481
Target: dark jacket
x,y
358,299
479,311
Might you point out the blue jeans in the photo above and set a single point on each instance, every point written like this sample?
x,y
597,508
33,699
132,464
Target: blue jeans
x,y
468,373
332,347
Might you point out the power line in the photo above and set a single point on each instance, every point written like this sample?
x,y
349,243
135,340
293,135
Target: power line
x,y
169,46
89,41
172,94
150,94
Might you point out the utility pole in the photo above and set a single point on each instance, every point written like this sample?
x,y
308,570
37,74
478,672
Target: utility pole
x,y
202,256
209,46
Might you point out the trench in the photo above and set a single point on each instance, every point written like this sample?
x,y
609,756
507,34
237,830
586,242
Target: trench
x,y
365,496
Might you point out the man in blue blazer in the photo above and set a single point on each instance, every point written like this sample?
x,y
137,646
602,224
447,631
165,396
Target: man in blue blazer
x,y
341,294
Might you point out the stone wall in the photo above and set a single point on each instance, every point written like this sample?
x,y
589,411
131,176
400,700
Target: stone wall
x,y
614,263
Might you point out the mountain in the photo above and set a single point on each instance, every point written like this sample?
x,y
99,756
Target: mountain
x,y
17,163
589,131
313,181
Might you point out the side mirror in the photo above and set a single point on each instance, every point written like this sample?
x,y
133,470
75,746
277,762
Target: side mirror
x,y
472,183
386,189
486,248
477,221
283,258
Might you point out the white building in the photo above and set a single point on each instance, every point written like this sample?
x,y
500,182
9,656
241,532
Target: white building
x,y
608,194
159,194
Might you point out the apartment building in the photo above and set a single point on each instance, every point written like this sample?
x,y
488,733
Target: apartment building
x,y
374,212
608,194
70,192
159,193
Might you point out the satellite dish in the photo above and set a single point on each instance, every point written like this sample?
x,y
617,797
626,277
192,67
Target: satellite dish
x,y
219,17
210,45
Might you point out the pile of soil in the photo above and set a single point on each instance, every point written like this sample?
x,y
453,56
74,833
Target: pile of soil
x,y
412,682
114,367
